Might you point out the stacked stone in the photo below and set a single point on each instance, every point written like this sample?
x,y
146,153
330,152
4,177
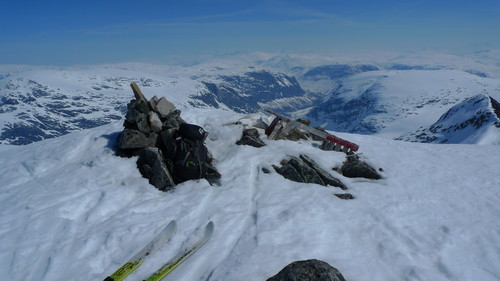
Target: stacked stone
x,y
149,125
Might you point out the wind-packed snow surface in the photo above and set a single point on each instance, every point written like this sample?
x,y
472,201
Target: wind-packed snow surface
x,y
72,210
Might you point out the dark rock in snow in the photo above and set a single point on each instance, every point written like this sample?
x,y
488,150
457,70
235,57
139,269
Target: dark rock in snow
x,y
288,172
305,169
325,176
307,173
308,270
355,168
251,137
344,196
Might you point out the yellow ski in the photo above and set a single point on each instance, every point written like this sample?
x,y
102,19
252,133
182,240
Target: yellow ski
x,y
182,256
137,260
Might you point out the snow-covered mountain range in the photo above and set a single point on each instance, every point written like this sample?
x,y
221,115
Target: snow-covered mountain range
x,y
391,103
36,104
391,99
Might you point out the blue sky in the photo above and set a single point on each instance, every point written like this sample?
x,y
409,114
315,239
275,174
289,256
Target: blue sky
x,y
91,32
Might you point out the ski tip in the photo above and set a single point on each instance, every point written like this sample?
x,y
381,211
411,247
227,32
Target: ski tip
x,y
209,229
172,224
171,227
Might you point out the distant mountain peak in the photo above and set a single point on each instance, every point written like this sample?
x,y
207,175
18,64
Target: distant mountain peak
x,y
466,122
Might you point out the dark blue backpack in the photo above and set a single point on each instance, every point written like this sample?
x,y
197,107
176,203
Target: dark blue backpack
x,y
190,156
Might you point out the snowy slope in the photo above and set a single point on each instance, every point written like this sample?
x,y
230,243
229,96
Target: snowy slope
x,y
475,120
72,209
389,103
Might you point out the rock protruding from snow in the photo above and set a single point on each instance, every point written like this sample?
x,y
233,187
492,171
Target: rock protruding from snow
x,y
308,270
304,169
288,172
326,177
345,196
251,137
353,167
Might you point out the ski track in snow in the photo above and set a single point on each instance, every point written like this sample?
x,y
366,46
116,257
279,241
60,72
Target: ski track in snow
x,y
247,238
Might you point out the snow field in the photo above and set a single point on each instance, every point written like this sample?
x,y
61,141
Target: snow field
x,y
72,209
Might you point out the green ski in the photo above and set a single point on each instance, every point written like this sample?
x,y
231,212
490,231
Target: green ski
x,y
182,256
137,260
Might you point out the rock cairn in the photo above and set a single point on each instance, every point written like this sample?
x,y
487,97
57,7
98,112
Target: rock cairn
x,y
148,126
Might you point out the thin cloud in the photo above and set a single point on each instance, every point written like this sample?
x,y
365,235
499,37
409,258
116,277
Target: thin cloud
x,y
239,18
